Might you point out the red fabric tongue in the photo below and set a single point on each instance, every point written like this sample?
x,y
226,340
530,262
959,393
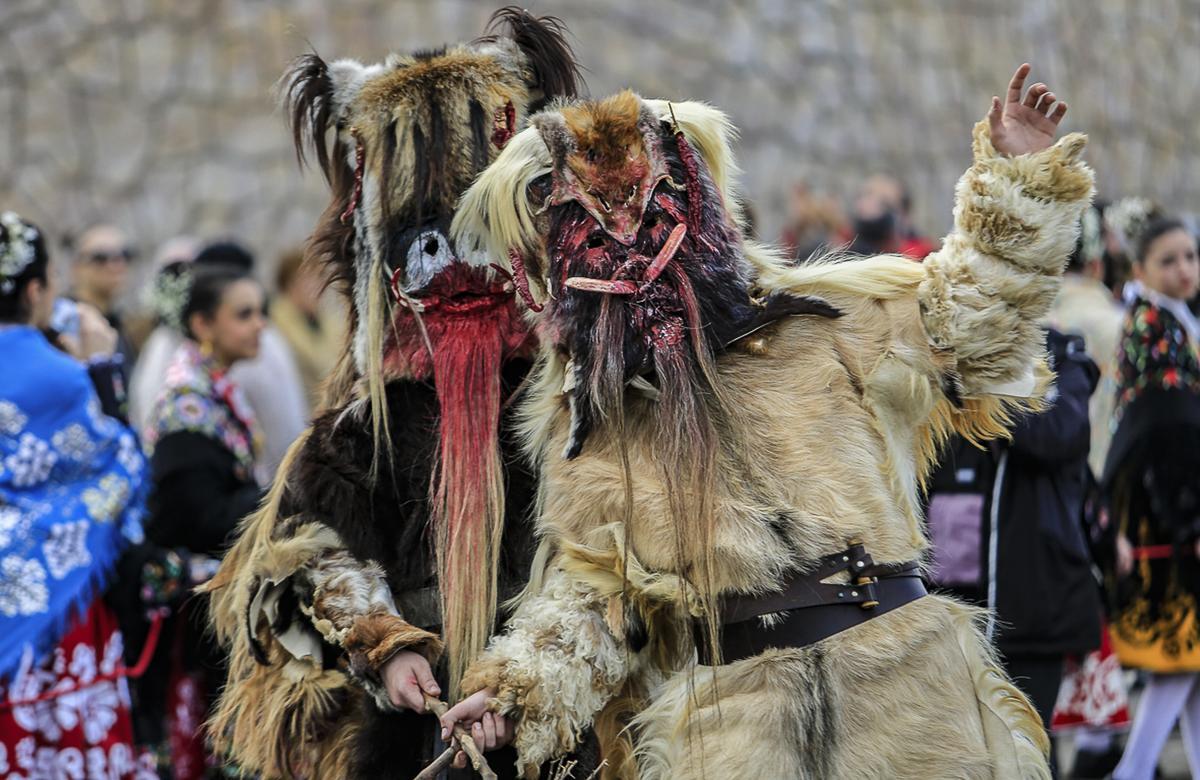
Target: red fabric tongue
x,y
467,358
468,481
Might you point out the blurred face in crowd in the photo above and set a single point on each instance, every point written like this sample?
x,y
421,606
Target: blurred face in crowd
x,y
233,330
101,265
878,209
886,191
1171,266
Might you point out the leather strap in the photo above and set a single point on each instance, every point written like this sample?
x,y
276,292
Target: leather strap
x,y
807,626
808,610
807,590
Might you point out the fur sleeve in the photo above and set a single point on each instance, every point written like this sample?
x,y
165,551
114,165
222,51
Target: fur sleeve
x,y
995,277
319,591
351,606
553,669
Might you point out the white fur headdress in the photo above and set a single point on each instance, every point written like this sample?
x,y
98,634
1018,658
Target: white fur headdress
x,y
17,251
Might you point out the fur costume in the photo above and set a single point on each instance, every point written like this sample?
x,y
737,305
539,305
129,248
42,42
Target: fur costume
x,y
709,421
400,519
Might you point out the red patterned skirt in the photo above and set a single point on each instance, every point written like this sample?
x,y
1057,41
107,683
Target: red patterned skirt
x,y
64,716
1093,692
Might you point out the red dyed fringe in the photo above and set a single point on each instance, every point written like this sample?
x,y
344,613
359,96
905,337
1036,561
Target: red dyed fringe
x,y
688,158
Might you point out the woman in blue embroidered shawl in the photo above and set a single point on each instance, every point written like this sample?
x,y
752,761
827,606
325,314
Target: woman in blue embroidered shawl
x,y
73,484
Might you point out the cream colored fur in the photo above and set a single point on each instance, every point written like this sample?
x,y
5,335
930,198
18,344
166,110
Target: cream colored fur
x,y
906,697
561,665
833,423
995,278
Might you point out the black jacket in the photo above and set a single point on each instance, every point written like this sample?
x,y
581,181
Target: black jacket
x,y
199,495
1034,569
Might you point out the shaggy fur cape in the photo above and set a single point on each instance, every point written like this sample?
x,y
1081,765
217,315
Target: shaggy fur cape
x,y
316,595
826,427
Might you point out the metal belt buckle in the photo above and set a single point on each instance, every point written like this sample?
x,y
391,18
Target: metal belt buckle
x,y
868,585
862,560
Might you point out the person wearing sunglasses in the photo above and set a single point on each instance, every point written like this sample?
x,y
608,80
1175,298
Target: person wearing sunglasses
x,y
100,274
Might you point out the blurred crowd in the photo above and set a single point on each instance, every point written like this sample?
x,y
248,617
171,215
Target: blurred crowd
x,y
139,426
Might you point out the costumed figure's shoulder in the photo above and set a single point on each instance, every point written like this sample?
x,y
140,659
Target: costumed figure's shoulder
x,y
834,275
333,470
337,448
873,300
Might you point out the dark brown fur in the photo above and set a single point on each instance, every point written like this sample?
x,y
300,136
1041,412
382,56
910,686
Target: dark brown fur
x,y
544,41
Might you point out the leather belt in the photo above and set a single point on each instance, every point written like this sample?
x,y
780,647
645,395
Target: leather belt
x,y
807,610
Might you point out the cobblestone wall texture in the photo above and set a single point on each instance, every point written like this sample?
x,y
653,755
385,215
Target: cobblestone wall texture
x,y
159,115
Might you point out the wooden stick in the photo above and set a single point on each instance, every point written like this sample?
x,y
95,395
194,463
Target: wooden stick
x,y
463,736
441,762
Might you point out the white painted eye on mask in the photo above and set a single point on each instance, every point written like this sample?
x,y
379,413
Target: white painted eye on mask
x,y
428,254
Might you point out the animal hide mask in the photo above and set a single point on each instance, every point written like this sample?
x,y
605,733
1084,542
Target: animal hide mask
x,y
625,222
409,136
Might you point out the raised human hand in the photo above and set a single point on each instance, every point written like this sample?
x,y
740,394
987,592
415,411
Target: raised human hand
x,y
1023,125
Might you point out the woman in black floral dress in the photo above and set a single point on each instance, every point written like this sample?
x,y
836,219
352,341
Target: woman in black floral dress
x,y
1152,476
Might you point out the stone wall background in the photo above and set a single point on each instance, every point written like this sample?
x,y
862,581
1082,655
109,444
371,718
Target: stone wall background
x,y
158,114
